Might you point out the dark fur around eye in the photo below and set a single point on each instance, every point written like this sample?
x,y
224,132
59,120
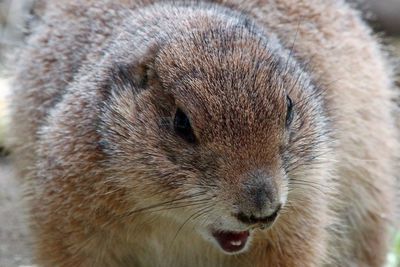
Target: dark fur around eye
x,y
182,127
289,111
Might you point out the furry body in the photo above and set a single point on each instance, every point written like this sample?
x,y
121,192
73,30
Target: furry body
x,y
92,146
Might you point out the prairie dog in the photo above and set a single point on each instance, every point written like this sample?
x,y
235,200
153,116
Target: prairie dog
x,y
205,133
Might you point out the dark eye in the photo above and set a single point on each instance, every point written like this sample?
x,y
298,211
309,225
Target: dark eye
x,y
289,112
182,126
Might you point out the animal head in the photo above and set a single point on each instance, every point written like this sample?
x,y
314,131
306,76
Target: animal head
x,y
213,125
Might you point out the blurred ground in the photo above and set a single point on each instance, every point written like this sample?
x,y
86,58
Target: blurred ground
x,y
386,14
13,230
14,250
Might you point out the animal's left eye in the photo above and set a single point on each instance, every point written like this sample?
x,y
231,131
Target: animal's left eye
x,y
289,111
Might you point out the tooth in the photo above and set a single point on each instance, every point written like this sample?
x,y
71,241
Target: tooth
x,y
236,243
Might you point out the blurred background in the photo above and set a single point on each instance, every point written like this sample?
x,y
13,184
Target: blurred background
x,y
383,16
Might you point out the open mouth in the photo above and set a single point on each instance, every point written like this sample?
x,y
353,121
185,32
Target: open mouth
x,y
231,242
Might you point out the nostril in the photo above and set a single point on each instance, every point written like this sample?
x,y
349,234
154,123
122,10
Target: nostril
x,y
252,219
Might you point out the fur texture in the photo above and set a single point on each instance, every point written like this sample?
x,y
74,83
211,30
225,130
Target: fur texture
x,y
110,182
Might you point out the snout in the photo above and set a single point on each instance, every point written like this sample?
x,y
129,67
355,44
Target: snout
x,y
257,204
260,201
265,220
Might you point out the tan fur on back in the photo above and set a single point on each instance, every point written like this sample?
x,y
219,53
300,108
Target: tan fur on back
x,y
94,150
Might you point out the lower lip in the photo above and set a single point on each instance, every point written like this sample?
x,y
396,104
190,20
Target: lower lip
x,y
231,242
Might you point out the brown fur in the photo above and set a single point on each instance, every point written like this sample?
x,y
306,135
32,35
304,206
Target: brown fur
x,y
111,184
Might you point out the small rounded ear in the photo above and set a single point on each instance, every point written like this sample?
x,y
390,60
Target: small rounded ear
x,y
135,77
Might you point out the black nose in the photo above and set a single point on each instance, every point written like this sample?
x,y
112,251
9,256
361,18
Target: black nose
x,y
254,219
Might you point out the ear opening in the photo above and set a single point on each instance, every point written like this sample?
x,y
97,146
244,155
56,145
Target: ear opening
x,y
137,75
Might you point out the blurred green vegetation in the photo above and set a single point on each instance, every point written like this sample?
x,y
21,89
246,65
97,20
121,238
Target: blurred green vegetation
x,y
394,255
